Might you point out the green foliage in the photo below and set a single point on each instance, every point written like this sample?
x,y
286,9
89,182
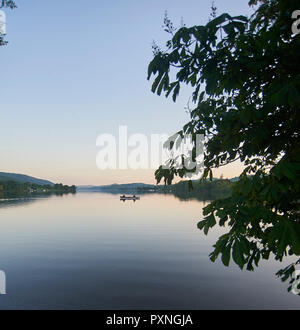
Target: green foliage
x,y
206,190
246,94
9,188
60,188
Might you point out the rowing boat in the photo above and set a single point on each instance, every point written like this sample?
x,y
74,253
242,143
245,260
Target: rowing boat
x,y
129,198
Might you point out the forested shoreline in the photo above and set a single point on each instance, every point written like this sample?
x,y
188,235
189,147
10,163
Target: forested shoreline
x,y
11,187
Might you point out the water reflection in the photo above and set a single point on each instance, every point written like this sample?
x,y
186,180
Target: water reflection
x,y
14,202
14,199
89,251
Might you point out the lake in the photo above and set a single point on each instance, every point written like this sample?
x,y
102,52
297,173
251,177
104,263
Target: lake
x,y
92,251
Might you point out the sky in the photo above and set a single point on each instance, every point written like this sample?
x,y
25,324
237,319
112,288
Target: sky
x,y
74,70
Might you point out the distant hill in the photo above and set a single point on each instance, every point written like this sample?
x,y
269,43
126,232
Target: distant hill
x,y
134,187
201,191
21,178
116,188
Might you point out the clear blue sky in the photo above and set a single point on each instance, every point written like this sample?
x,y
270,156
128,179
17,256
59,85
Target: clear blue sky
x,y
76,69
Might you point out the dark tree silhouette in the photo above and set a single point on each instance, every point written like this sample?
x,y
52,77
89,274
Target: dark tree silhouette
x,y
246,94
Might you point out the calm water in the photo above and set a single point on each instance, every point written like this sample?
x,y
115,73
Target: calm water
x,y
91,251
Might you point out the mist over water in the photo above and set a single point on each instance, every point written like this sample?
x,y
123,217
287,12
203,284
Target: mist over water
x,y
91,251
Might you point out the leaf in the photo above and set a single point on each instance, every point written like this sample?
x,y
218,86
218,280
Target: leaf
x,y
241,18
219,20
162,84
257,259
176,92
237,254
211,220
156,82
206,228
208,209
280,235
201,224
171,87
226,255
